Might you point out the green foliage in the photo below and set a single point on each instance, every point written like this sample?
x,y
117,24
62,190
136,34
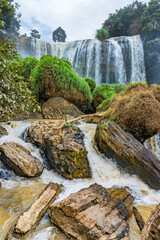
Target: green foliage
x,y
135,84
104,105
125,21
10,19
35,34
91,82
29,64
150,22
59,35
15,97
59,71
106,92
102,34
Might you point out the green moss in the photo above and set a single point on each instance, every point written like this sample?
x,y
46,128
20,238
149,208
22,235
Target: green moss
x,y
29,64
135,84
112,118
61,72
106,92
91,82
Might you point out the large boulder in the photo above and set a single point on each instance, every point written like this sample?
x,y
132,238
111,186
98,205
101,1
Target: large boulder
x,y
55,77
59,107
63,148
137,111
20,160
128,152
94,213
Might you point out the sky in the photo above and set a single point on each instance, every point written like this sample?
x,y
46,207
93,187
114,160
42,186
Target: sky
x,y
79,18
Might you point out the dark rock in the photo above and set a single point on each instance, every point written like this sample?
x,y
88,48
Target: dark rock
x,y
139,218
63,148
129,154
59,107
20,160
151,230
3,131
94,213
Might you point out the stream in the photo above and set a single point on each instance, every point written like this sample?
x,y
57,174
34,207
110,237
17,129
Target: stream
x,y
18,193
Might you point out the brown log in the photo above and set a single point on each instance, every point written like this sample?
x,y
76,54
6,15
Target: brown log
x,y
139,218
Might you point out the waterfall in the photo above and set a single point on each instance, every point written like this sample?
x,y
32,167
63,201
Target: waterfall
x,y
117,60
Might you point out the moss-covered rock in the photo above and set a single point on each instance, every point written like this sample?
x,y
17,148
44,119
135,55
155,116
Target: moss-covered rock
x,y
137,111
105,92
56,78
29,64
91,82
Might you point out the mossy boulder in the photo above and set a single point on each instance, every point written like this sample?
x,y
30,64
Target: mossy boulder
x,y
105,92
91,82
56,78
137,111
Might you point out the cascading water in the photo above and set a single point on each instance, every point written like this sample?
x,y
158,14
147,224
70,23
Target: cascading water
x,y
14,190
117,60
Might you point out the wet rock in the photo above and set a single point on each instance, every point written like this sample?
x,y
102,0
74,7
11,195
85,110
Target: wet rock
x,y
94,213
30,219
63,148
128,152
59,107
139,218
3,131
151,230
20,160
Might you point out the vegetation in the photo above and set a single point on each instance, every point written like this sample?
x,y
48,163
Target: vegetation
x,y
15,97
29,64
59,74
91,82
102,34
135,84
35,34
10,19
59,35
106,92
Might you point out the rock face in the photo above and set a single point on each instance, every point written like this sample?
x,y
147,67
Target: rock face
x,y
151,230
63,148
129,154
137,111
94,213
59,107
20,160
2,131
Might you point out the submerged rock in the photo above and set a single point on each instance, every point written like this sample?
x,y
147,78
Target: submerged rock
x,y
151,230
59,107
128,152
63,148
30,219
20,160
94,213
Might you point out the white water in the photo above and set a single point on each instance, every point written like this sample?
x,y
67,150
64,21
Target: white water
x,y
104,172
118,60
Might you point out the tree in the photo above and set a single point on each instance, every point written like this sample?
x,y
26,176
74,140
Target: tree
x,y
59,35
35,34
150,22
102,34
10,19
125,21
15,96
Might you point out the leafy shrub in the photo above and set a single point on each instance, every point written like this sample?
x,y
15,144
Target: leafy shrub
x,y
91,82
106,92
29,64
15,97
60,74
